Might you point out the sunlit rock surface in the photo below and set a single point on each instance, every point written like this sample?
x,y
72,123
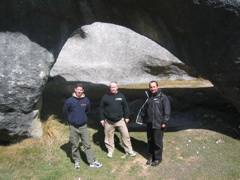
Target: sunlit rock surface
x,y
103,52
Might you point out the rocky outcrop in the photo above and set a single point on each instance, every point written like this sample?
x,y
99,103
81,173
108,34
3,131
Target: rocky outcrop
x,y
24,71
109,52
202,34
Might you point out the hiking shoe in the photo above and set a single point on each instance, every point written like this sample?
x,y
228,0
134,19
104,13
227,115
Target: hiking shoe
x,y
110,155
156,162
96,164
149,161
133,154
77,165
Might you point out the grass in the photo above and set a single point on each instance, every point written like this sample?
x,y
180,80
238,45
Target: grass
x,y
188,154
173,84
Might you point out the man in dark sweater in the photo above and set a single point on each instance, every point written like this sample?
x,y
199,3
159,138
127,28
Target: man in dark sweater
x,y
114,113
76,109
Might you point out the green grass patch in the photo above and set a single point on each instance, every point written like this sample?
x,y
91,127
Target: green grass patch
x,y
188,154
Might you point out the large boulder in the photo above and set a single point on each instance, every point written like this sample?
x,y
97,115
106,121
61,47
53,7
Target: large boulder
x,y
106,52
203,34
24,71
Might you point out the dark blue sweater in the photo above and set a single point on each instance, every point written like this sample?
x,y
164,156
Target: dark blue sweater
x,y
76,110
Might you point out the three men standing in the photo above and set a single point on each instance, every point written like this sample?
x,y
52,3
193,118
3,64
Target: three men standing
x,y
155,113
114,113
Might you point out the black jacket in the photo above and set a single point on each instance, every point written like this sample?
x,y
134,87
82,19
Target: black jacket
x,y
113,107
156,110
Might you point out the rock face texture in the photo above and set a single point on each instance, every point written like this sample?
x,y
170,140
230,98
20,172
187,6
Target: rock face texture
x,y
109,52
203,34
24,70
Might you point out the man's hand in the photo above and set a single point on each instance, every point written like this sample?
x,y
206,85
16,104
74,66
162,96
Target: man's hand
x,y
126,120
163,126
102,122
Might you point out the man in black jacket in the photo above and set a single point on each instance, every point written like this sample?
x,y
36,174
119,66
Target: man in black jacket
x,y
155,113
114,113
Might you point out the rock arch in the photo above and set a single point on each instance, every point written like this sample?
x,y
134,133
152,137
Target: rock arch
x,y
203,34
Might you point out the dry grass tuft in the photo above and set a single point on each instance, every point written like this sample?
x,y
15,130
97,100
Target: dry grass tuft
x,y
51,129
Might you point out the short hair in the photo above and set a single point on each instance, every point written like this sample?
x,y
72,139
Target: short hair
x,y
79,85
153,82
113,82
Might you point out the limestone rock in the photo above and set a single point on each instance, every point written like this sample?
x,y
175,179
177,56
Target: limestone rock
x,y
203,34
105,52
23,74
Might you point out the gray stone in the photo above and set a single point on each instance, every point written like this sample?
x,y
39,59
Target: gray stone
x,y
110,52
203,34
24,71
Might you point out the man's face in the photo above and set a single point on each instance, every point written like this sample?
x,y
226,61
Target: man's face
x,y
113,88
79,91
153,87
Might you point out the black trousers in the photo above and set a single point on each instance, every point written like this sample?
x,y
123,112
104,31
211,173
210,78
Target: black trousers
x,y
155,142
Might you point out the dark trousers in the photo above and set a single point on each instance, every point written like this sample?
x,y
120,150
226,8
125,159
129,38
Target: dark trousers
x,y
155,142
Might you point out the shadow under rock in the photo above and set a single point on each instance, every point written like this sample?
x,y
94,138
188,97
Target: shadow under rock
x,y
192,108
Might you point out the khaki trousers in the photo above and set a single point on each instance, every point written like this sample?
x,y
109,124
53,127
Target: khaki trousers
x,y
109,130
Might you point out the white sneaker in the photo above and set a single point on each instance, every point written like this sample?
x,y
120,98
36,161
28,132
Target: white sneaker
x,y
77,165
110,155
96,164
133,154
